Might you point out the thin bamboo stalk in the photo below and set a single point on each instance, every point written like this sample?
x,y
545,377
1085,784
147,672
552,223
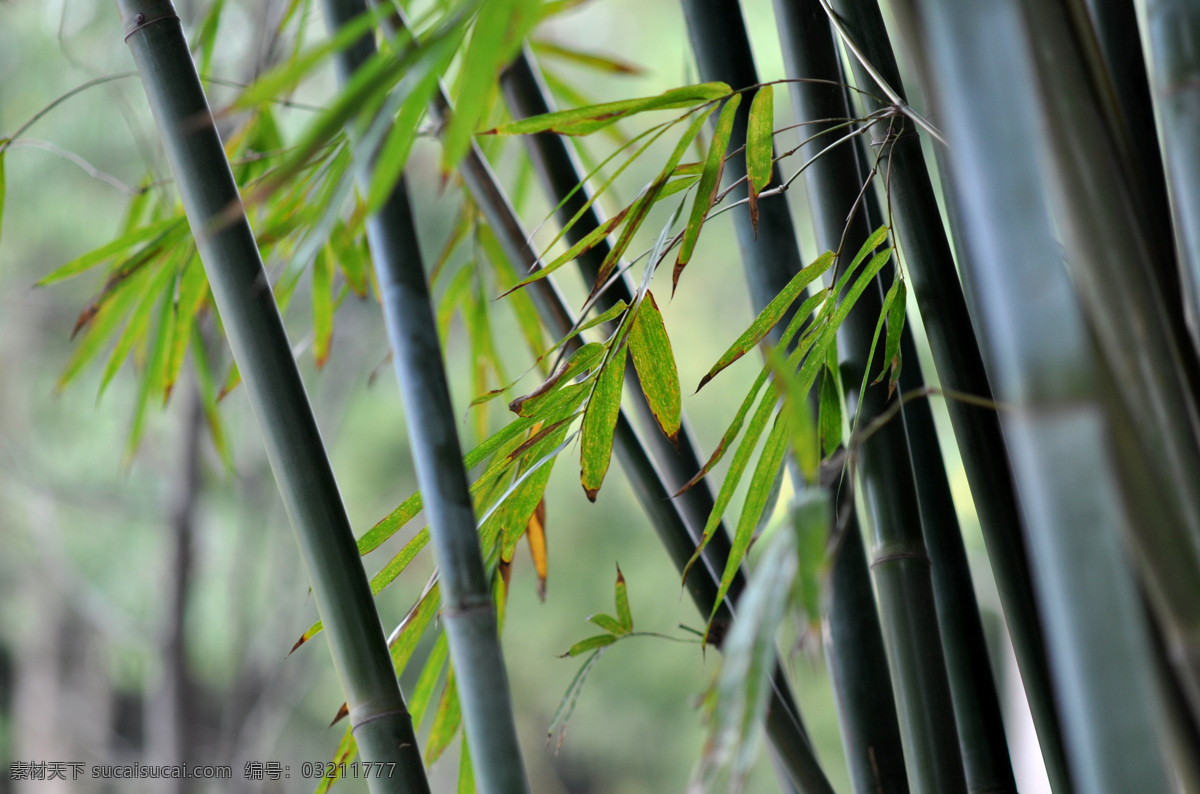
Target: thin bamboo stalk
x,y
1044,371
939,298
468,613
1109,256
381,723
1171,25
810,52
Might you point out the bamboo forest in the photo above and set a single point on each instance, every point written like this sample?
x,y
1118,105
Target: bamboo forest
x,y
582,396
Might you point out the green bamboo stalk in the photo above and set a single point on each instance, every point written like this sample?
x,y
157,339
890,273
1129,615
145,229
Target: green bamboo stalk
x,y
1109,256
933,276
1171,24
381,723
1044,371
468,612
833,182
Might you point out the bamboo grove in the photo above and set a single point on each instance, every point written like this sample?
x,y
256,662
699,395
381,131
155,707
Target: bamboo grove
x,y
1051,251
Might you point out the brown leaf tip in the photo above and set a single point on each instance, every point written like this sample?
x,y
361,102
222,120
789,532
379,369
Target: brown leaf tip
x,y
591,493
343,712
299,642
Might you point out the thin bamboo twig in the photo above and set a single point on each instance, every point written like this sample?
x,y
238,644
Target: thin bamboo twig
x,y
930,267
1045,372
468,613
382,726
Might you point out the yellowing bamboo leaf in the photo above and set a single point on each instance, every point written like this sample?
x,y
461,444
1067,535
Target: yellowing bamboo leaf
x,y
599,423
654,361
499,30
585,120
535,533
760,145
322,303
710,181
770,315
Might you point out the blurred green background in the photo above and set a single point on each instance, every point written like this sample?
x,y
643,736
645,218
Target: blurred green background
x,y
87,558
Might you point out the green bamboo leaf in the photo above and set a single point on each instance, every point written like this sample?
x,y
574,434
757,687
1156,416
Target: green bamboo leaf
x,y
770,315
466,771
398,563
445,721
585,120
599,423
591,60
346,750
566,706
192,291
760,146
588,242
608,623
583,359
159,233
351,259
624,615
831,412
206,37
676,186
895,307
322,305
113,308
654,361
404,641
876,239
590,644
521,505
811,518
284,78
155,366
393,155
804,433
422,692
135,328
756,499
499,30
208,398
710,181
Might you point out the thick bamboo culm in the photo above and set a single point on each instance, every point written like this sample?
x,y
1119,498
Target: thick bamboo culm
x,y
468,613
381,723
1044,371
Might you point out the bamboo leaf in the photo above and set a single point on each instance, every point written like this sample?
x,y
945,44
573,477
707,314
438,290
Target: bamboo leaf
x,y
830,412
135,328
756,499
193,290
590,644
208,397
393,155
654,361
591,60
422,692
566,707
404,642
710,181
608,623
894,305
346,749
624,615
466,770
599,423
580,361
499,30
586,120
399,562
770,315
612,313
158,232
535,533
574,252
156,364
445,721
322,305
760,145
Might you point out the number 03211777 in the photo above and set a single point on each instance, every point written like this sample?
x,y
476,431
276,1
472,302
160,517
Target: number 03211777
x,y
356,769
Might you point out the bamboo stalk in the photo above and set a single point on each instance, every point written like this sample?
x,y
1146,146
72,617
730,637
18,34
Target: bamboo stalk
x,y
1109,256
381,723
468,614
1169,23
933,276
1044,371
833,183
